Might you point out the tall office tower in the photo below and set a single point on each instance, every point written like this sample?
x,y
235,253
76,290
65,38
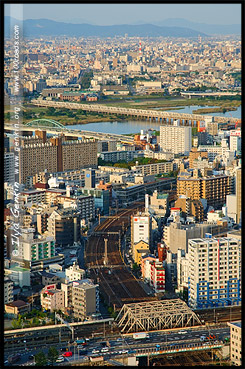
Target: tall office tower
x,y
141,228
9,167
214,272
239,194
176,139
89,178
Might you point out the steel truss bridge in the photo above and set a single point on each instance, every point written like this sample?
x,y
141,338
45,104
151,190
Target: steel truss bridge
x,y
156,315
45,123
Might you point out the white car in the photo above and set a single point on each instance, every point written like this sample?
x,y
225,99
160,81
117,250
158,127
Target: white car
x,y
60,359
95,351
104,349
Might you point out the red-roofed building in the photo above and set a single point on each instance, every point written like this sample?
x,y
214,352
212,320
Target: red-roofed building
x,y
52,298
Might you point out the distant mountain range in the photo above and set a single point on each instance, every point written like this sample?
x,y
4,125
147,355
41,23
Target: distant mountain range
x,y
174,27
47,27
209,29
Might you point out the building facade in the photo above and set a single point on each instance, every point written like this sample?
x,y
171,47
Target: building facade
x,y
236,342
176,139
214,272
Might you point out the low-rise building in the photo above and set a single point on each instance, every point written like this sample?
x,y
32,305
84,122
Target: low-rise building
x,y
17,307
157,279
52,298
74,273
138,250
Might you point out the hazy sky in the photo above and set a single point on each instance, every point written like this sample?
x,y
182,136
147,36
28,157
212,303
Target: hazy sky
x,y
108,14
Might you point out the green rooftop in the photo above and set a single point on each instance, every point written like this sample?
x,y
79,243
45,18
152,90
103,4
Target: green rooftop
x,y
162,196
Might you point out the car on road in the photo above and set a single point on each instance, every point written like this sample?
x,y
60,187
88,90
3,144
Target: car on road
x,y
182,332
67,354
60,359
104,349
95,351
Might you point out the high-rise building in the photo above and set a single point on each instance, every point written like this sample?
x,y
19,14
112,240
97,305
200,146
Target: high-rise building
x,y
89,178
214,272
212,188
58,155
64,226
239,194
9,175
176,139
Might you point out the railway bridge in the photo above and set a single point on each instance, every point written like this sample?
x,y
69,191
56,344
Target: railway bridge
x,y
161,117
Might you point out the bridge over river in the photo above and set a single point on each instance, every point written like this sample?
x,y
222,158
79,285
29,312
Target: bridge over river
x,y
151,115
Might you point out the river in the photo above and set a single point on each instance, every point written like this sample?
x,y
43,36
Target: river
x,y
134,126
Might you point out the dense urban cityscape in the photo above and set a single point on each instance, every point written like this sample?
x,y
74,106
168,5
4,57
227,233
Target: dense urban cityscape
x,y
122,197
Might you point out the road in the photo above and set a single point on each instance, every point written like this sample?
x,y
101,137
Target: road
x,y
128,346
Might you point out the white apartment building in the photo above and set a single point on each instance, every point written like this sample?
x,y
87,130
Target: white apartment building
x,y
74,273
236,342
141,226
214,272
176,139
9,167
235,140
214,150
182,271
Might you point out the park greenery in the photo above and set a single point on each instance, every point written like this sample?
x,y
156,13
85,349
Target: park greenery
x,y
128,165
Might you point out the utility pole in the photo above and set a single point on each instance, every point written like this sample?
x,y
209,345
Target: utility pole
x,y
106,257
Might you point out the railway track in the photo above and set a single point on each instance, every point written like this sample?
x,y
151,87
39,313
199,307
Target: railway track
x,y
117,284
221,314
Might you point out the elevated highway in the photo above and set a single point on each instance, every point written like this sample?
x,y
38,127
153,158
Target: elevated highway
x,y
73,132
151,115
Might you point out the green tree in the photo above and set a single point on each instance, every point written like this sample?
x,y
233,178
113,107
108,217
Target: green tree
x,y
51,111
16,324
40,359
52,354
